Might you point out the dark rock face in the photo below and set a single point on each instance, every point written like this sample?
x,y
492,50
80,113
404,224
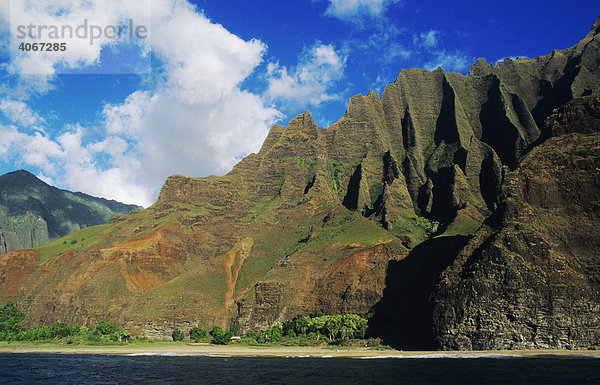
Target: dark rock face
x,y
33,213
530,277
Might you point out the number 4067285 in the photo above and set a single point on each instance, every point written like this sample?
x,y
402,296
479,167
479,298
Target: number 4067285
x,y
49,47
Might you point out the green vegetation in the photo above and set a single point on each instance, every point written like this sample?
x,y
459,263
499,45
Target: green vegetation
x,y
351,228
418,229
197,334
334,175
106,328
88,237
177,335
219,336
315,329
462,225
306,163
375,192
259,208
11,329
343,327
10,320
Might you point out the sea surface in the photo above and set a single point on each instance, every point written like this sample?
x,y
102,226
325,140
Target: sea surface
x,y
203,369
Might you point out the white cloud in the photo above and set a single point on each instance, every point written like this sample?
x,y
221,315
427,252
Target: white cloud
x,y
64,18
308,83
19,113
427,39
195,120
355,10
35,149
450,61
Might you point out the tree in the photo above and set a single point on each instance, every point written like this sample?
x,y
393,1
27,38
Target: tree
x,y
333,326
318,324
106,328
125,335
10,321
262,338
177,335
302,324
361,328
60,330
197,333
219,337
274,334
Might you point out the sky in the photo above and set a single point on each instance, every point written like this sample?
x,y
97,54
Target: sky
x,y
190,87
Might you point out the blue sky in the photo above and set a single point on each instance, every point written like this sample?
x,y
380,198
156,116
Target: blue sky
x,y
115,118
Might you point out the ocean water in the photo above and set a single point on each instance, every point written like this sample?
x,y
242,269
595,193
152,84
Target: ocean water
x,y
203,369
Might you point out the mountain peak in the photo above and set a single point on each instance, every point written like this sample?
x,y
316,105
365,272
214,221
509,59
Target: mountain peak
x,y
481,67
20,177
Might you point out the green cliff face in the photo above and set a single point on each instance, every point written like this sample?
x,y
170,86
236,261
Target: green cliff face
x,y
33,213
364,215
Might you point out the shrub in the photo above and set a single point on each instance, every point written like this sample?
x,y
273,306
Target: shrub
x,y
125,336
106,328
275,334
10,321
197,333
216,330
219,337
60,330
261,339
177,335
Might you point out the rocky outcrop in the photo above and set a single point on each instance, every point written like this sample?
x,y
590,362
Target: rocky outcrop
x,y
530,277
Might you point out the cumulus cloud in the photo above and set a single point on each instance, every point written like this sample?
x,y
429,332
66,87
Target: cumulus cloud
x,y
194,120
309,82
450,61
35,149
64,21
355,10
20,113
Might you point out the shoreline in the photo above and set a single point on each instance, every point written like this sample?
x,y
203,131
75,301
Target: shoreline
x,y
284,351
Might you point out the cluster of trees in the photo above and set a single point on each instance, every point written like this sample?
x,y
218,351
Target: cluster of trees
x,y
315,327
11,329
339,326
217,335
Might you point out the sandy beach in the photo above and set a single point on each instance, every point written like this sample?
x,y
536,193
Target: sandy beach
x,y
292,351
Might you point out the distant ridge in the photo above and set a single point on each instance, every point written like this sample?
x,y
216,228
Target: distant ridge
x,y
33,212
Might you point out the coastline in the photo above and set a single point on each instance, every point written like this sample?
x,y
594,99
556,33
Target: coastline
x,y
284,351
